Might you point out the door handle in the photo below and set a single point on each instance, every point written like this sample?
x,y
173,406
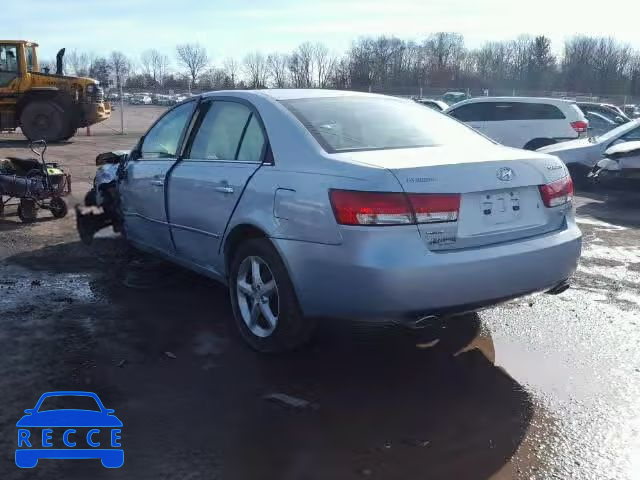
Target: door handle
x,y
157,183
224,189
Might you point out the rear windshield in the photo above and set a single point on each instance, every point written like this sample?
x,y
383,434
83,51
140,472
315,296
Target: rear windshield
x,y
374,123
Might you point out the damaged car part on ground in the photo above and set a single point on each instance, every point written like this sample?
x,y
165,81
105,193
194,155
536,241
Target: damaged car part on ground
x,y
307,208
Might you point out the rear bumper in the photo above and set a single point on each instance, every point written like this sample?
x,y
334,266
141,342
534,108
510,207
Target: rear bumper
x,y
389,274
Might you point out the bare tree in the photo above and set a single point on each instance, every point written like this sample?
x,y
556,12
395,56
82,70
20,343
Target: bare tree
x,y
193,57
154,64
300,66
255,68
277,69
231,68
79,63
322,64
120,65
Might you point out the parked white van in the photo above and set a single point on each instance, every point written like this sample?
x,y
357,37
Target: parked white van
x,y
522,122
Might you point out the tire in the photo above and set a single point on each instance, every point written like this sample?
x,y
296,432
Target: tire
x,y
44,120
69,135
27,210
290,329
539,143
58,207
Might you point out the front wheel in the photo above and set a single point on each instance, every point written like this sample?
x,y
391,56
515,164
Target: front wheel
x,y
58,207
44,120
265,307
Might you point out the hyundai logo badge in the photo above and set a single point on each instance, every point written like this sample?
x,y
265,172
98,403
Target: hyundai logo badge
x,y
505,174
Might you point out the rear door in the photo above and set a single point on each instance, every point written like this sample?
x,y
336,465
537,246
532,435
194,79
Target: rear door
x,y
226,147
142,190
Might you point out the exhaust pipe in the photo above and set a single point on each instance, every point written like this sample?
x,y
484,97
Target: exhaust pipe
x,y
422,322
59,65
558,289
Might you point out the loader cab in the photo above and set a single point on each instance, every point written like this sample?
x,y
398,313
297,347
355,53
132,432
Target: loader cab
x,y
16,58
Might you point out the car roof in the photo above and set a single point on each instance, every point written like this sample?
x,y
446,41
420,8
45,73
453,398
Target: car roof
x,y
289,93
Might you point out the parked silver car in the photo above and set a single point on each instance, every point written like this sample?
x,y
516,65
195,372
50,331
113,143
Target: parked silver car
x,y
317,203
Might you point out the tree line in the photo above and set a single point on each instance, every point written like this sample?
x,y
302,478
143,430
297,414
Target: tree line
x,y
586,64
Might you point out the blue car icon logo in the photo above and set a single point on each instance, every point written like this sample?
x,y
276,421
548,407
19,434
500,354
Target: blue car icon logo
x,y
95,427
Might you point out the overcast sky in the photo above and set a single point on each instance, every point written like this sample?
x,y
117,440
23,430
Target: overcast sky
x,y
234,27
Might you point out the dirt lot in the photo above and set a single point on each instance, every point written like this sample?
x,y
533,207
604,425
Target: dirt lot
x,y
542,387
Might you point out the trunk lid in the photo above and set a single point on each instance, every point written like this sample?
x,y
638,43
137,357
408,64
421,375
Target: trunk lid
x,y
499,196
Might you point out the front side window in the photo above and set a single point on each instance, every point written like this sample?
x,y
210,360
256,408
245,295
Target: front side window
x,y
8,58
163,140
375,123
220,131
474,112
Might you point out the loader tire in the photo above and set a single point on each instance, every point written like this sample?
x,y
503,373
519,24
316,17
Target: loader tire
x,y
44,120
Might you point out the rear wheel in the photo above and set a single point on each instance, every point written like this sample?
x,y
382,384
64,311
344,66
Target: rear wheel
x,y
264,303
27,210
44,120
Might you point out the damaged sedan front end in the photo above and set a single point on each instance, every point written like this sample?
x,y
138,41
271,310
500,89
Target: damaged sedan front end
x,y
101,207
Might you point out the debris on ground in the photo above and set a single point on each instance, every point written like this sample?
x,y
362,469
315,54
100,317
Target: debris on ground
x,y
289,401
36,283
365,472
170,355
121,363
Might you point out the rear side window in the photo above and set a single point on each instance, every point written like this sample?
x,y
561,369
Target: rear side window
x,y
220,132
253,142
537,111
506,111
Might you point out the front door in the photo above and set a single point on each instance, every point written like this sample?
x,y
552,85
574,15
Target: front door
x,y
227,146
9,66
142,191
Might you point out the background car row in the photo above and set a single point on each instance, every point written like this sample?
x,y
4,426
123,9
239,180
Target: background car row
x,y
581,134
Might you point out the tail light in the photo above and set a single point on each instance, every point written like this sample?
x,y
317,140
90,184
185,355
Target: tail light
x,y
432,208
382,208
580,126
558,192
370,208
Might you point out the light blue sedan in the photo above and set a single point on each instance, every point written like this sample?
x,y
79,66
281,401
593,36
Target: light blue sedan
x,y
318,203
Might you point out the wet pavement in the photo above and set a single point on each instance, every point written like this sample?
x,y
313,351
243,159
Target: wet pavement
x,y
541,387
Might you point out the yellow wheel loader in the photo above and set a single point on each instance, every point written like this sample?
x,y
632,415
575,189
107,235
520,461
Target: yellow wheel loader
x,y
46,106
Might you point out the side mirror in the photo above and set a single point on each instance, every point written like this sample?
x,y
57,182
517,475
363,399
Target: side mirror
x,y
109,411
619,120
29,411
109,157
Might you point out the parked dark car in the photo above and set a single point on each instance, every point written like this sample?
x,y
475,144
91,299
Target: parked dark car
x,y
610,111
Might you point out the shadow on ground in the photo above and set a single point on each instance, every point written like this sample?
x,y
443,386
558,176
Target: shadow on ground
x,y
618,207
387,403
